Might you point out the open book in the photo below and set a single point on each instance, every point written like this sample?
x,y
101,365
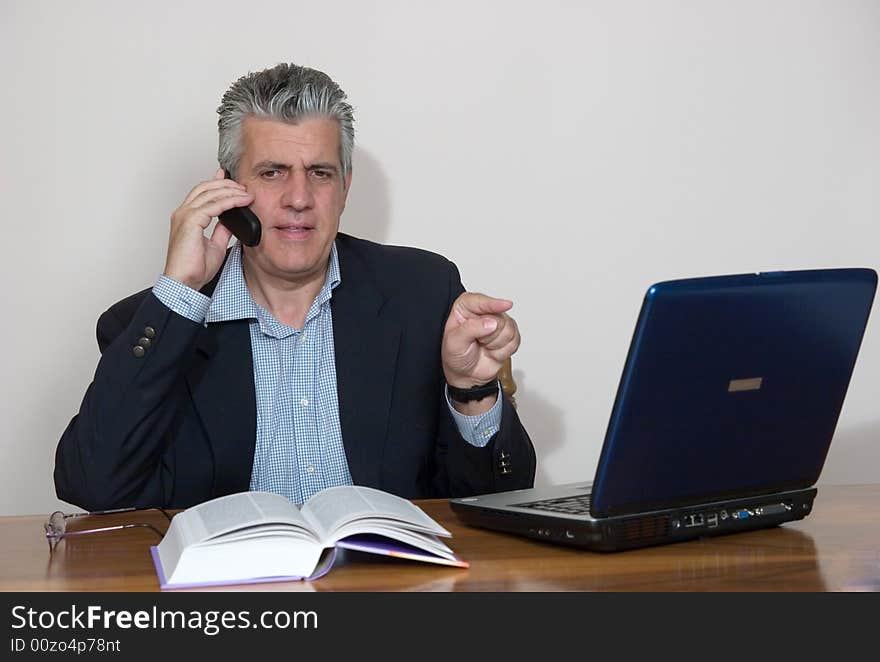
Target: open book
x,y
260,537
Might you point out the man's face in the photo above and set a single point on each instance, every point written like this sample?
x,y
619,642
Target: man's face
x,y
294,173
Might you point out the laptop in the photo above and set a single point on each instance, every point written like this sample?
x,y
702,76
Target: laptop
x,y
728,401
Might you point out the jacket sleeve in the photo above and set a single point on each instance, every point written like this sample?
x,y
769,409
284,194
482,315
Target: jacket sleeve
x,y
111,453
507,462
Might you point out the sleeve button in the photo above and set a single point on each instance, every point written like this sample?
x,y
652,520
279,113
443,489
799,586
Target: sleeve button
x,y
138,351
149,332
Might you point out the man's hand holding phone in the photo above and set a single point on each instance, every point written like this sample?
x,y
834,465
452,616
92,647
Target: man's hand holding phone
x,y
194,259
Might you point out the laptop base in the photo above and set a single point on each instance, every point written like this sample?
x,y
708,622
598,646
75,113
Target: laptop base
x,y
611,534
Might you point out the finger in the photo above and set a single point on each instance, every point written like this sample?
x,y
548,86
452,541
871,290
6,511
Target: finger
x,y
216,207
472,304
220,236
460,338
503,353
505,323
203,214
210,185
212,195
506,333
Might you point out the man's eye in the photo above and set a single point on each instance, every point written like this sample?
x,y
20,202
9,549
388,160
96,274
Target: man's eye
x,y
322,174
270,174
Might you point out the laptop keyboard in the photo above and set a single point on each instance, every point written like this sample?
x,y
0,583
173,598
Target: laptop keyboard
x,y
573,505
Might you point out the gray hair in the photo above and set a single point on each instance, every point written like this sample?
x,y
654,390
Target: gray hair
x,y
286,93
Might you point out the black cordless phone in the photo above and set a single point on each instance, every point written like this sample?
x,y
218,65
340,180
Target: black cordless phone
x,y
243,223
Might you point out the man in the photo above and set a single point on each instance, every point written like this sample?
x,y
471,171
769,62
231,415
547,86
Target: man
x,y
310,360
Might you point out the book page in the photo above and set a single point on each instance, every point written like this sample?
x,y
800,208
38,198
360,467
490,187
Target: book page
x,y
238,512
243,560
238,537
356,507
262,531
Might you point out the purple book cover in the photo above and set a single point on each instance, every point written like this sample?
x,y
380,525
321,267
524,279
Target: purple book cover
x,y
374,544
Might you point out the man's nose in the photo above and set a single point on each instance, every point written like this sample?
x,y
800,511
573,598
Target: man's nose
x,y
297,191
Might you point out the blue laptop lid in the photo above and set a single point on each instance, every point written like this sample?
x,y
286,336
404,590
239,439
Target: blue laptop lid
x,y
732,387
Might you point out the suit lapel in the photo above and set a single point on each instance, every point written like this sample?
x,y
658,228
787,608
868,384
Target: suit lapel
x,y
221,382
366,345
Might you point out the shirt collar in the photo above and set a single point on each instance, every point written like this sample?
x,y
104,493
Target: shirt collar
x,y
233,301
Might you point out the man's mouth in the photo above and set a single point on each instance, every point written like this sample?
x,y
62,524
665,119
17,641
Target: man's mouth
x,y
295,230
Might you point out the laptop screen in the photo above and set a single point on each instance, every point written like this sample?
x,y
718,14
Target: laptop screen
x,y
732,387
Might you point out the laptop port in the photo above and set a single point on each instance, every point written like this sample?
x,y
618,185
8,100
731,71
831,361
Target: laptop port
x,y
772,509
693,520
712,520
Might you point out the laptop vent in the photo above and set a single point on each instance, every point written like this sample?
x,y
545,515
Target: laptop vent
x,y
644,528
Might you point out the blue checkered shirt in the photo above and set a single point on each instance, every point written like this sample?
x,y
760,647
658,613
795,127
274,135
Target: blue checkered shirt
x,y
299,449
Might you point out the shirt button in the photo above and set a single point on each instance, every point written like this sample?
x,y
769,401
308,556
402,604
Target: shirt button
x,y
304,402
302,337
487,433
310,469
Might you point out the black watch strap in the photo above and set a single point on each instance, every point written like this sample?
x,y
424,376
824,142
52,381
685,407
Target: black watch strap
x,y
474,393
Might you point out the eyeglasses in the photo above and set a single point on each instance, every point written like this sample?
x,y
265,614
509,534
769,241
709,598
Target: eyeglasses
x,y
56,526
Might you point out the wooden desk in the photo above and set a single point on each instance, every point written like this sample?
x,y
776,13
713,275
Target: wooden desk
x,y
836,548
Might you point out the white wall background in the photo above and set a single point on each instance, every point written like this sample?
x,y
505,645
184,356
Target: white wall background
x,y
565,154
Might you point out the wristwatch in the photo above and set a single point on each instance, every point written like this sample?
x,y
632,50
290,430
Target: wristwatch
x,y
474,393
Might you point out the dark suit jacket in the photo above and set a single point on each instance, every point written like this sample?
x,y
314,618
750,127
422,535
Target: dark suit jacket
x,y
177,426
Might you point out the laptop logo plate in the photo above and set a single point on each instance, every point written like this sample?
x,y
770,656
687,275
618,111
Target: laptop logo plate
x,y
751,384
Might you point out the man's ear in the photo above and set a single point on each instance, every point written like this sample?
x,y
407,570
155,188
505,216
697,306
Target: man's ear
x,y
346,189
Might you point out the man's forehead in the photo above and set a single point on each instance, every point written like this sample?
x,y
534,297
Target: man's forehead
x,y
276,141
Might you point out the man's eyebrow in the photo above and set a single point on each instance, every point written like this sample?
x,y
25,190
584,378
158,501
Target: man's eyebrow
x,y
270,165
275,165
323,166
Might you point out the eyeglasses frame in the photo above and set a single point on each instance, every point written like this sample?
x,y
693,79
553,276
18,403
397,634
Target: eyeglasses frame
x,y
54,536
